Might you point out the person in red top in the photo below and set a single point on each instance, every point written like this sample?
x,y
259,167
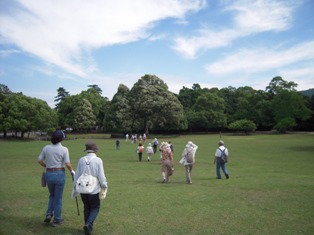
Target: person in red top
x,y
140,150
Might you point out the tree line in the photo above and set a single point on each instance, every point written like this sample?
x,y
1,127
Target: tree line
x,y
149,106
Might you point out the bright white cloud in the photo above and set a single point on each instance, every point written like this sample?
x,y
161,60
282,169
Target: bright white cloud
x,y
251,61
59,32
250,17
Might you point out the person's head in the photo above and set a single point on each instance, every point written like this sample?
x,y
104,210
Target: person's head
x,y
220,143
57,136
149,144
189,144
140,144
91,147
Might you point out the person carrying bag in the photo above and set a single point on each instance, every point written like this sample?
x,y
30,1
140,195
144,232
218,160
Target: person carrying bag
x,y
90,181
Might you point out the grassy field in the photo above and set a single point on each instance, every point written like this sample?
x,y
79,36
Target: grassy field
x,y
270,190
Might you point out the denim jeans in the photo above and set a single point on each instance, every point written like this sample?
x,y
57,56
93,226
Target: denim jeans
x,y
91,207
55,182
221,164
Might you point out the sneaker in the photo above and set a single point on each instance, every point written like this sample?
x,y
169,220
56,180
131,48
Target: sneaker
x,y
48,218
164,180
57,222
227,176
87,229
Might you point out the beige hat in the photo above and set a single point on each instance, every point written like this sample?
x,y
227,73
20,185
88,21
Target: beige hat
x,y
91,147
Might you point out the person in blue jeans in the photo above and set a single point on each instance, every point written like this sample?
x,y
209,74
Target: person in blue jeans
x,y
220,163
91,200
54,157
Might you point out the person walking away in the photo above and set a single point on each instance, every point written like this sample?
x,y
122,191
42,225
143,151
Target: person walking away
x,y
53,157
220,159
188,160
155,144
149,151
126,137
167,166
118,144
91,201
140,150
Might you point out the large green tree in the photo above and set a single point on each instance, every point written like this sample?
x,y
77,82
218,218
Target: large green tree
x,y
83,116
153,106
119,115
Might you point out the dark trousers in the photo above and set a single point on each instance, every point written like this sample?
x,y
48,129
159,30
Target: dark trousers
x,y
140,156
91,207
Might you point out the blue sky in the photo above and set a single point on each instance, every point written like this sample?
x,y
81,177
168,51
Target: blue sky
x,y
49,44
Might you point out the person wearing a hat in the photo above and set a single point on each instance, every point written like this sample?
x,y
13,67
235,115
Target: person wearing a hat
x,y
149,151
167,166
188,160
220,163
53,157
91,201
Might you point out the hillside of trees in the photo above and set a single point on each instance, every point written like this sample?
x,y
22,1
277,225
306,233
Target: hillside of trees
x,y
149,106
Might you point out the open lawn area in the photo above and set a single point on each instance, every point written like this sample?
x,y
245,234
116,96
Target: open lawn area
x,y
270,190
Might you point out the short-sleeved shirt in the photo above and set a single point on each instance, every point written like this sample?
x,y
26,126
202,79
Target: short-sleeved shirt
x,y
219,153
54,155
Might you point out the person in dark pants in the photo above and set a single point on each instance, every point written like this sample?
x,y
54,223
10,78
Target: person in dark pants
x,y
140,150
91,201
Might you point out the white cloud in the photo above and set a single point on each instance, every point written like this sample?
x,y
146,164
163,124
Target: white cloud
x,y
61,32
250,17
251,61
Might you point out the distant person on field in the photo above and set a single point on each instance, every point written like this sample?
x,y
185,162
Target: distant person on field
x,y
126,137
188,160
118,144
219,160
91,201
149,151
53,157
140,150
155,145
167,166
144,137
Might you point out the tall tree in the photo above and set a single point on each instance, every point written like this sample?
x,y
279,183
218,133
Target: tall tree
x,y
153,106
289,109
119,115
62,94
84,117
96,88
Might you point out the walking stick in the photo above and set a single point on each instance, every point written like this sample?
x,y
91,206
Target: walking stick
x,y
78,211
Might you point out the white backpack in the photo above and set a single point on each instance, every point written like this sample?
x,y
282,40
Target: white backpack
x,y
86,183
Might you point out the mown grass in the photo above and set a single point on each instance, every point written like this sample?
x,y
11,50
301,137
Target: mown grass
x,y
270,190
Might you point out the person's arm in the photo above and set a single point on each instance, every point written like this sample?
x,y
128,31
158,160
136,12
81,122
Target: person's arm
x,y
42,163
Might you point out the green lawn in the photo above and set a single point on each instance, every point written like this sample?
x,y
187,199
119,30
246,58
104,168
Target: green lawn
x,y
270,190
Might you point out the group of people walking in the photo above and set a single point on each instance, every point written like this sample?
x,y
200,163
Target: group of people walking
x,y
55,157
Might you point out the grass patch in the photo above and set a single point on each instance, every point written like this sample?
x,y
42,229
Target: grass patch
x,y
270,190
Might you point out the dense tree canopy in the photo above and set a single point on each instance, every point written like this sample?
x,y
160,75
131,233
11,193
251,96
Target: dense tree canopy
x,y
149,105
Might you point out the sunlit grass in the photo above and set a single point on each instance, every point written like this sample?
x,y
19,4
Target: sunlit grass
x,y
270,190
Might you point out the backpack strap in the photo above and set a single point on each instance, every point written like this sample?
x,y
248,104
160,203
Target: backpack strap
x,y
87,164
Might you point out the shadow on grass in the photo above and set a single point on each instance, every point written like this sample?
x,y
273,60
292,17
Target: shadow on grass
x,y
302,148
35,225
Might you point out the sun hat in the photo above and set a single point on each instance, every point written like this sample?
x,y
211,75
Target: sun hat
x,y
91,147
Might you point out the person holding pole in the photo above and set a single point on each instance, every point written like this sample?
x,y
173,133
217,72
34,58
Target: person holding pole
x,y
91,200
53,157
221,156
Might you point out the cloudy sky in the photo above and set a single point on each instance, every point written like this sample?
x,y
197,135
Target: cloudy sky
x,y
47,44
